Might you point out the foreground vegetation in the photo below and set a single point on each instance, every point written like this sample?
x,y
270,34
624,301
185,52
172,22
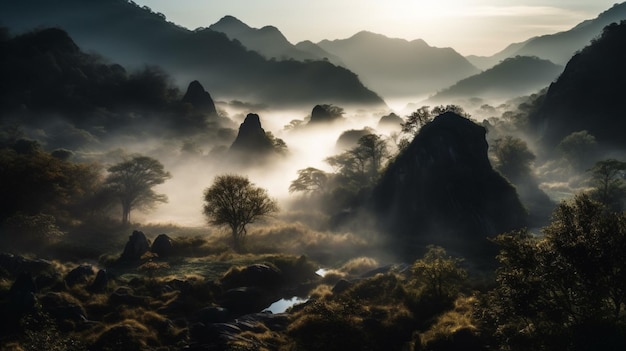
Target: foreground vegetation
x,y
561,290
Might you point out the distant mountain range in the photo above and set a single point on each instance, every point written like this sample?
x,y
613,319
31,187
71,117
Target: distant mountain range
x,y
558,47
270,42
397,67
514,76
135,36
389,66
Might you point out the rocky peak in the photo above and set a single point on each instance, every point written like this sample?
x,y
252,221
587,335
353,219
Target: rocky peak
x,y
199,98
442,190
252,138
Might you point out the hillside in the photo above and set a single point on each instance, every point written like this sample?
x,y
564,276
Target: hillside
x,y
589,94
227,69
512,77
558,47
397,67
267,41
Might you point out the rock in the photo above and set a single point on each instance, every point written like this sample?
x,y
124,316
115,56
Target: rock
x,y
124,296
120,337
257,275
21,295
246,300
136,246
390,121
322,114
252,139
162,246
63,307
442,190
100,283
341,286
199,98
79,275
15,265
213,314
350,138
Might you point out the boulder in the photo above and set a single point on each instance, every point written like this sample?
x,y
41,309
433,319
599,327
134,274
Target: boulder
x,y
79,275
442,190
257,275
246,300
15,264
125,296
100,283
162,246
21,295
63,307
136,246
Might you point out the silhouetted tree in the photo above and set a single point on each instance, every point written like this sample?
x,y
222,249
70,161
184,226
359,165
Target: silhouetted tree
x,y
361,165
417,120
565,290
607,177
132,181
513,157
440,275
235,202
310,180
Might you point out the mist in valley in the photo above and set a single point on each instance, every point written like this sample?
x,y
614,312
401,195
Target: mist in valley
x,y
390,194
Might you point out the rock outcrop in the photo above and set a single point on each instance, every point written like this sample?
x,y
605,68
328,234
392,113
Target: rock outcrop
x,y
322,114
162,246
442,190
136,246
252,142
200,99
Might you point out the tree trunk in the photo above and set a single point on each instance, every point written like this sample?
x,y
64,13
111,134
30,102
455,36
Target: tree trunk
x,y
125,214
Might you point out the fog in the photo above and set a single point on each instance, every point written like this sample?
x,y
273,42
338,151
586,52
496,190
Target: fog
x,y
308,146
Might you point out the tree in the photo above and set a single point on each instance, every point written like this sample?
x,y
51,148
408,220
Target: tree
x,y
309,180
513,156
561,290
440,274
131,181
361,165
417,120
235,202
578,149
607,177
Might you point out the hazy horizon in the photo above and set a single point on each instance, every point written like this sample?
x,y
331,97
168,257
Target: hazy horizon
x,y
488,26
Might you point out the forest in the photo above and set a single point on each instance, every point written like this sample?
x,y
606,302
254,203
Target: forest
x,y
139,213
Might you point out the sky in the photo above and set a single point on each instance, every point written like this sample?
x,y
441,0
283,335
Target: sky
x,y
471,27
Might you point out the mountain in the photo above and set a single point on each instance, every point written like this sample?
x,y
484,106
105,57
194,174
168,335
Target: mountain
x,y
512,77
71,98
397,67
267,41
589,94
558,47
135,36
317,51
442,190
486,62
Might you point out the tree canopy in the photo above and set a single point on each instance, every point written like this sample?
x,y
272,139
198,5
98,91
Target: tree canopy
x,y
132,181
235,202
570,280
